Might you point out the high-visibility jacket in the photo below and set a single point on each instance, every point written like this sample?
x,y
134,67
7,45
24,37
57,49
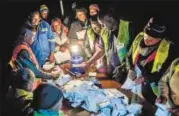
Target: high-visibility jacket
x,y
19,48
122,39
160,56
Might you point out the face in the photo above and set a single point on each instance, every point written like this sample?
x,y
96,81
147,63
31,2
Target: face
x,y
148,40
44,14
96,27
81,16
56,26
93,12
29,38
36,19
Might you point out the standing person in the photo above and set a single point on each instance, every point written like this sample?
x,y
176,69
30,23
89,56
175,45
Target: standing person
x,y
47,101
114,41
168,88
91,43
80,25
44,43
20,96
44,12
94,9
150,55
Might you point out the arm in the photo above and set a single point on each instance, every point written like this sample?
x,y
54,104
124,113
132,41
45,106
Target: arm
x,y
163,86
26,62
98,54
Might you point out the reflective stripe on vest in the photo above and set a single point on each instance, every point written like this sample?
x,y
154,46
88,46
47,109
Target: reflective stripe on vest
x,y
18,49
122,39
161,55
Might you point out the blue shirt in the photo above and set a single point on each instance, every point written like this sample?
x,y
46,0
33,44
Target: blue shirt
x,y
44,42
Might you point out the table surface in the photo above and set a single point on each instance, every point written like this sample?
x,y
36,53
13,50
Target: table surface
x,y
148,109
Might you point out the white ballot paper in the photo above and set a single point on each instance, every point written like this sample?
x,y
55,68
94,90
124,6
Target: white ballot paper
x,y
48,65
62,80
81,34
62,56
128,84
114,93
162,110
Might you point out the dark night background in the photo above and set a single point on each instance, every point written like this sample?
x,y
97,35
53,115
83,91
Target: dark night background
x,y
15,13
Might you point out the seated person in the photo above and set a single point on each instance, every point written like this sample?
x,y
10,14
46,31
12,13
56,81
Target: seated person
x,y
61,39
23,57
47,101
19,96
168,88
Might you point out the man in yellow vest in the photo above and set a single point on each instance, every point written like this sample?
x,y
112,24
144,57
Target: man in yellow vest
x,y
149,56
168,88
91,43
113,42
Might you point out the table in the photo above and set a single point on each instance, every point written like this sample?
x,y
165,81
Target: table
x,y
148,109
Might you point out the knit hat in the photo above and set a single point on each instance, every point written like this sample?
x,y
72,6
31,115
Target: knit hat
x,y
46,96
43,8
154,28
81,10
23,76
94,6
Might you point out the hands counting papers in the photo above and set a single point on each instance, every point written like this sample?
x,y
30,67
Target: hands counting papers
x,y
48,65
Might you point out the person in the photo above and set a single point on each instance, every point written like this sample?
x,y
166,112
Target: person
x,y
113,42
80,25
94,9
20,96
168,88
44,43
93,35
61,39
47,101
23,57
149,56
44,12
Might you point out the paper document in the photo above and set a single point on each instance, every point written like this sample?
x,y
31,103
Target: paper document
x,y
81,34
61,57
63,80
162,110
48,65
128,84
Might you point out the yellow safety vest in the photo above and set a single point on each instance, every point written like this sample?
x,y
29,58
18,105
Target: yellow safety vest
x,y
161,55
91,37
122,39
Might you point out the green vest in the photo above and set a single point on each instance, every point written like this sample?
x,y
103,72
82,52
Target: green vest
x,y
122,39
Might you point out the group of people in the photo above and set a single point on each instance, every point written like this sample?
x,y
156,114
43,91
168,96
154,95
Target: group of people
x,y
105,41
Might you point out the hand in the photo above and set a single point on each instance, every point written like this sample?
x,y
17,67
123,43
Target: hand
x,y
62,49
80,42
161,99
52,58
139,80
55,76
84,65
132,74
174,111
